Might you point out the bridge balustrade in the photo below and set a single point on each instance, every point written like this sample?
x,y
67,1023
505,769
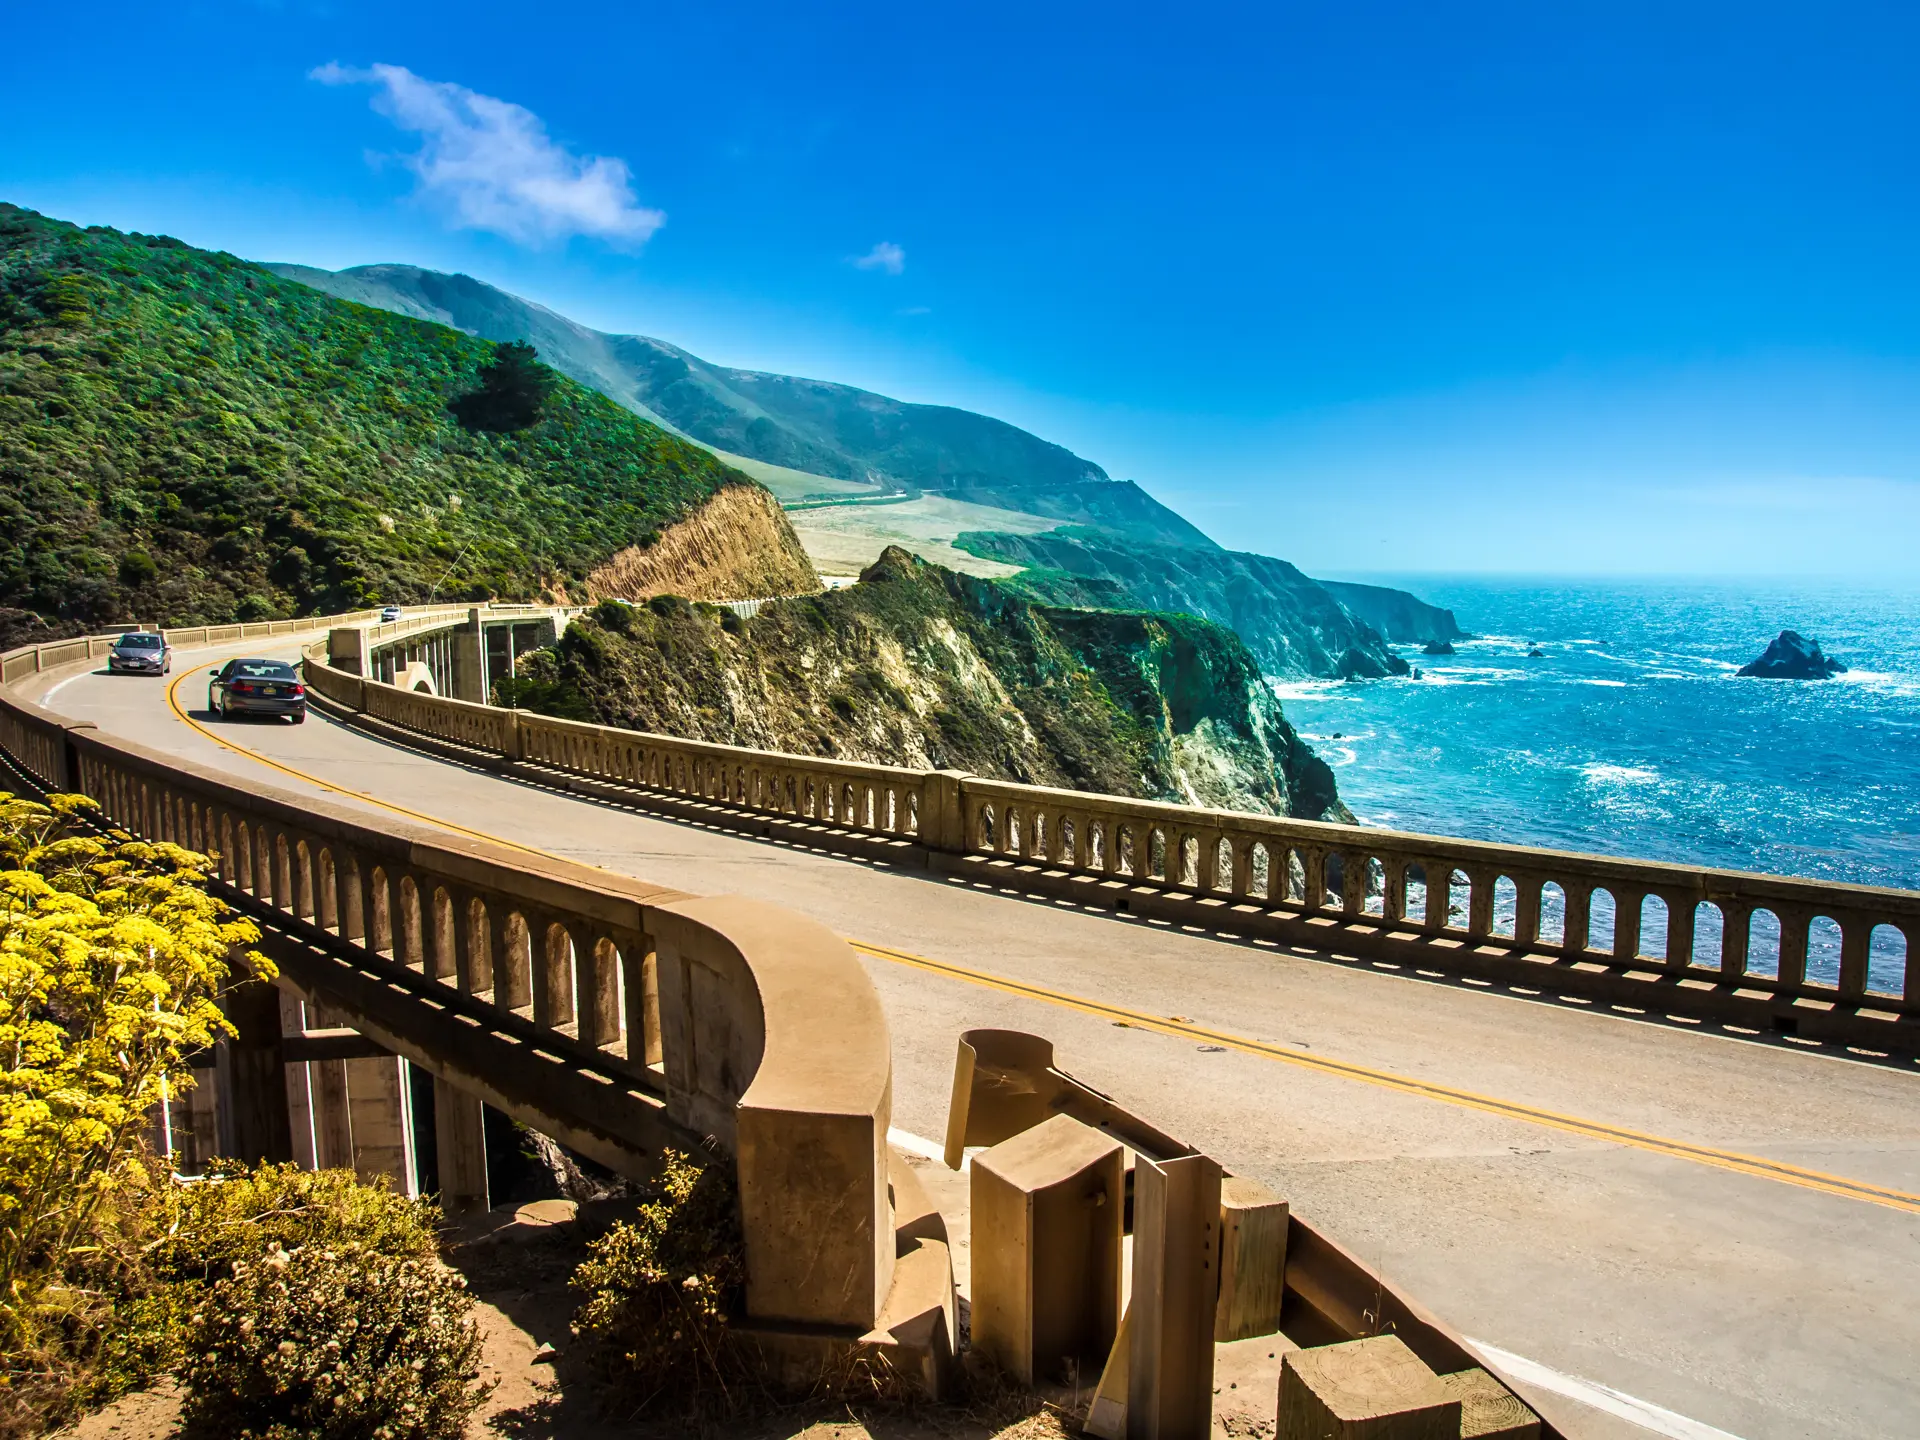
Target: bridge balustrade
x,y
1352,874
1305,881
616,1016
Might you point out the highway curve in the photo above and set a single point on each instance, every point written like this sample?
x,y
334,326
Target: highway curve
x,y
1727,1229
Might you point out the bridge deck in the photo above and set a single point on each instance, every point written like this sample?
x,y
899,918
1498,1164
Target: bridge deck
x,y
1763,1306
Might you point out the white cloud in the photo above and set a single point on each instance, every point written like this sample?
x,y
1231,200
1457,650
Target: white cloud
x,y
885,256
494,167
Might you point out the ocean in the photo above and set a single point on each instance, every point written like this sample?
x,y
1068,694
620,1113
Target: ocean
x,y
1631,736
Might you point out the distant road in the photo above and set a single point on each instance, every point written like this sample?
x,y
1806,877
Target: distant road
x,y
1458,1138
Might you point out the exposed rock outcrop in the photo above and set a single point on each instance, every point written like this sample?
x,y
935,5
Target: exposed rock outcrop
x,y
1792,656
1436,647
921,666
737,546
1360,664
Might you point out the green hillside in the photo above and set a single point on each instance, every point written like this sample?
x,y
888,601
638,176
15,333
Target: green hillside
x,y
1293,625
814,426
186,438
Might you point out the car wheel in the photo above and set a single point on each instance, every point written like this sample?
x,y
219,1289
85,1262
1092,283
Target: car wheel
x,y
299,717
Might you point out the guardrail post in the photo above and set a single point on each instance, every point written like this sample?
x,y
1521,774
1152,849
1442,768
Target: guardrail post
x,y
1046,1208
347,649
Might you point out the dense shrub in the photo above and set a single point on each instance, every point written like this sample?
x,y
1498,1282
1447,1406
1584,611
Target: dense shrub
x,y
658,1292
239,1212
113,957
341,1343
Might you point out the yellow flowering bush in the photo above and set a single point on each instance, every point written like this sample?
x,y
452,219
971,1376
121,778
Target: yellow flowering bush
x,y
113,958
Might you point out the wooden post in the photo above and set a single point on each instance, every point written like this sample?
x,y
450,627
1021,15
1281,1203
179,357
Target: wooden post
x,y
1372,1389
1253,1259
1176,1241
1488,1410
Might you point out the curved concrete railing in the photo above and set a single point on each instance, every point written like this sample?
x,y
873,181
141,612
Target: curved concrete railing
x,y
616,1016
1452,889
1807,956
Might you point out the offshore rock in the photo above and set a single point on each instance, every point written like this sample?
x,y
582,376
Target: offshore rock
x,y
1792,656
1357,664
1436,647
922,667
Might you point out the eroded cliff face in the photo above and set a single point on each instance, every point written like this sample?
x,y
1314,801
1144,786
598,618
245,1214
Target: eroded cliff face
x,y
921,666
737,546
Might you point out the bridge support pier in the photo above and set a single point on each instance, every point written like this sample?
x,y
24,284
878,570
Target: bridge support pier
x,y
459,1122
470,661
380,1121
256,1089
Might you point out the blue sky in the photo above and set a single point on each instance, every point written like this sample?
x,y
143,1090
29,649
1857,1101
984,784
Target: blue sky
x,y
1577,287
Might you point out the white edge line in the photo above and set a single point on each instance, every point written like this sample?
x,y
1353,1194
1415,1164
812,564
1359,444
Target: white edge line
x,y
1600,1397
44,702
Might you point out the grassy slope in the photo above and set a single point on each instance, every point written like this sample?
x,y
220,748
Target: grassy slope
x,y
272,450
795,425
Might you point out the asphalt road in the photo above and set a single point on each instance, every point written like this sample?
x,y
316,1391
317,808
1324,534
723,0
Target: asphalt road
x,y
1766,1308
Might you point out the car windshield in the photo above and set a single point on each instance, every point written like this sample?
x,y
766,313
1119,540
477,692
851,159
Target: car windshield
x,y
262,670
140,642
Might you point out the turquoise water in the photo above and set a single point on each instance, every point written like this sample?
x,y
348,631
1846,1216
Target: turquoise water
x,y
1631,735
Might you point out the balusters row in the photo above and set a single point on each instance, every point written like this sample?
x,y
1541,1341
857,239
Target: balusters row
x,y
1853,953
595,988
769,784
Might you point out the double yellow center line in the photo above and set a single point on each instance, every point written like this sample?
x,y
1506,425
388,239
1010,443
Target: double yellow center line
x,y
1754,1165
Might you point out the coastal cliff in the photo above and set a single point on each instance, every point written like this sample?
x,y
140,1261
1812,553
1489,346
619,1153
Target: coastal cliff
x,y
1292,624
1400,617
920,666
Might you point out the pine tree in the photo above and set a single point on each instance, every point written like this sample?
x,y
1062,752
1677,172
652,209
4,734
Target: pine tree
x,y
513,390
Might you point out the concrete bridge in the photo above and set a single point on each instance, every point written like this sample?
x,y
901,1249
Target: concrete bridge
x,y
1646,1133
458,651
